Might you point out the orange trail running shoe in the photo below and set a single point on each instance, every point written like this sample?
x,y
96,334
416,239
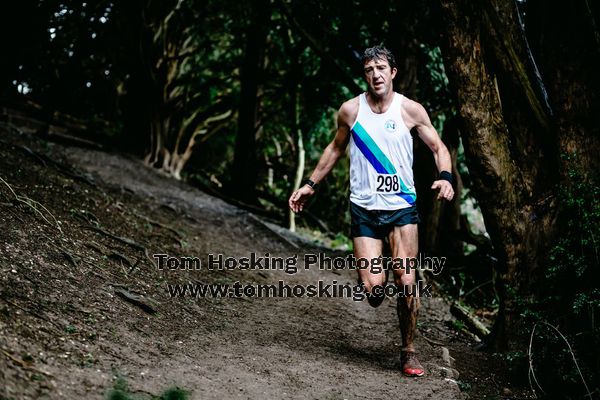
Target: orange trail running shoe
x,y
410,365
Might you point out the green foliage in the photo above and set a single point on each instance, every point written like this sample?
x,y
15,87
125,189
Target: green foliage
x,y
174,394
458,325
341,241
515,363
433,86
121,391
463,386
569,294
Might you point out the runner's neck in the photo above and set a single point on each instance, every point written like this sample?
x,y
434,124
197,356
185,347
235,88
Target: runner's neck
x,y
380,105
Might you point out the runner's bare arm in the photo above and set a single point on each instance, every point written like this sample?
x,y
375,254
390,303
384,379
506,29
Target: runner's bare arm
x,y
416,117
336,149
332,153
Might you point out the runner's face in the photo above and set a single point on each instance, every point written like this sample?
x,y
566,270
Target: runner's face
x,y
379,76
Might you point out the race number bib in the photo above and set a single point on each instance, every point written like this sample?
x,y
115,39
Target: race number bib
x,y
387,183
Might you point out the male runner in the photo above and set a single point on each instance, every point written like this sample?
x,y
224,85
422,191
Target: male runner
x,y
377,125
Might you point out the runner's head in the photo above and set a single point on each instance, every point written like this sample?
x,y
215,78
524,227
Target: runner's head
x,y
380,69
380,53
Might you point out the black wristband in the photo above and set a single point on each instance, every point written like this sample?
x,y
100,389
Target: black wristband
x,y
447,176
310,183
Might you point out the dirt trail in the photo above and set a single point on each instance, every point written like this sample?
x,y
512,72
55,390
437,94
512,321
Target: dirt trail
x,y
65,332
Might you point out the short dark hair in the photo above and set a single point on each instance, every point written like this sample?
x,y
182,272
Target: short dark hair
x,y
378,52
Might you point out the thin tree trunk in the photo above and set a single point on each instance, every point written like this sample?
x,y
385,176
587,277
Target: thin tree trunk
x,y
300,156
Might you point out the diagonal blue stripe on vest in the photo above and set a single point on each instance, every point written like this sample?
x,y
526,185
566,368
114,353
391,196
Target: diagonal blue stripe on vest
x,y
364,149
409,198
373,149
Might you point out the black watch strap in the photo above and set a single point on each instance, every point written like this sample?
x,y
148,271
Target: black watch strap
x,y
310,183
447,176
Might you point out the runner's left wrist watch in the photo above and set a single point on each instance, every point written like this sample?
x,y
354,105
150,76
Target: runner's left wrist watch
x,y
310,183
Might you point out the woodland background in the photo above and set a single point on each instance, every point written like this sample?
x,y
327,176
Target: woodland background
x,y
239,98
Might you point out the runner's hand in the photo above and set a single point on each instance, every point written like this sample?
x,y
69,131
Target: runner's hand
x,y
446,191
299,198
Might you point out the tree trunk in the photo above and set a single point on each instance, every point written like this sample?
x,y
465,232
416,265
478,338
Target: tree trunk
x,y
244,173
513,138
498,183
299,166
297,139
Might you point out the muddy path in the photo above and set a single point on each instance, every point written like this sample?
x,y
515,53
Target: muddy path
x,y
82,305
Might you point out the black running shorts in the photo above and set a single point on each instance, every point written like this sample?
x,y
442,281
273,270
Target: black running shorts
x,y
378,223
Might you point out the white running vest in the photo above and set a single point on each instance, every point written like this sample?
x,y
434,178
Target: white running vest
x,y
381,158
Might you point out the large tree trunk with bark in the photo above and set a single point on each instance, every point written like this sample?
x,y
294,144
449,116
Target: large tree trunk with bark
x,y
498,182
513,139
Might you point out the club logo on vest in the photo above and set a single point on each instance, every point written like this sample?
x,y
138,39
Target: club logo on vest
x,y
390,125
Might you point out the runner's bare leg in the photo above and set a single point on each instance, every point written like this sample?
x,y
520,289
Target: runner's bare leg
x,y
369,248
404,244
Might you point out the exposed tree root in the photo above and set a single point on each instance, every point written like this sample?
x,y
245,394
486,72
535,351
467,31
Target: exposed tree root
x,y
159,225
35,206
124,240
35,314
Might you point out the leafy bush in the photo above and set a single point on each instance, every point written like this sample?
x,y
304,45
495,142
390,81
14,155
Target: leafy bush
x,y
569,297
